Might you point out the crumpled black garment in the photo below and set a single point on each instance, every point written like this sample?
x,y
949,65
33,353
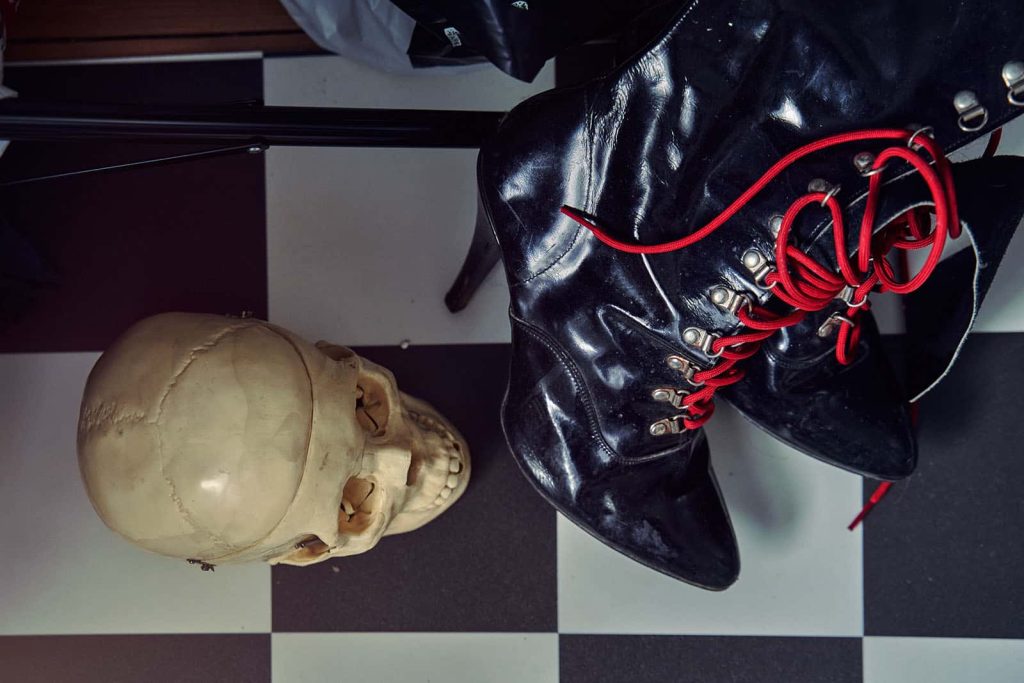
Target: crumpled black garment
x,y
517,36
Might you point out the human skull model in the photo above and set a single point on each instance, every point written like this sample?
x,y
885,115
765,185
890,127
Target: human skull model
x,y
223,440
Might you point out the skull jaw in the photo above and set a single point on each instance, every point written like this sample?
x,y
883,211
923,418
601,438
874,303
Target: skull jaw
x,y
437,443
419,466
441,448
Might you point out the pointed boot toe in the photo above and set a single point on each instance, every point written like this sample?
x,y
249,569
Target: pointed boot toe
x,y
658,503
681,527
852,416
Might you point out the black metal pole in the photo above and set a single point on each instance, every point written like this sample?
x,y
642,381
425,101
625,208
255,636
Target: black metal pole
x,y
238,124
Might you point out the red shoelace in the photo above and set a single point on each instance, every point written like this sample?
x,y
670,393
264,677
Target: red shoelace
x,y
883,488
806,285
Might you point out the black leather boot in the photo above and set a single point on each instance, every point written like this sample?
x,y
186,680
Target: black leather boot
x,y
702,159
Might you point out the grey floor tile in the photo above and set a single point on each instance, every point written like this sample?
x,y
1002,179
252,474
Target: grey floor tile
x,y
416,657
943,660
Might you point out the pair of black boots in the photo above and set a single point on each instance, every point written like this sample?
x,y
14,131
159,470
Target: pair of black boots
x,y
708,220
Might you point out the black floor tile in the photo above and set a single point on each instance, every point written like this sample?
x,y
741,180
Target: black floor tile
x,y
128,659
708,659
83,258
488,564
943,553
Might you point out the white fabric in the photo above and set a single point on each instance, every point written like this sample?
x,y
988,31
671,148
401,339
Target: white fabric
x,y
371,31
374,32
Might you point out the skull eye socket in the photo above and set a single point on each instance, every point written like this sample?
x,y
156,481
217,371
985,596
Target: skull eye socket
x,y
372,406
359,503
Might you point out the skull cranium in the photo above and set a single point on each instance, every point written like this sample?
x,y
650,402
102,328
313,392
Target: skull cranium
x,y
223,440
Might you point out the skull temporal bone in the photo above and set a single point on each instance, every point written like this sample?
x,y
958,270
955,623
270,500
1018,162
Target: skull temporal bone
x,y
228,440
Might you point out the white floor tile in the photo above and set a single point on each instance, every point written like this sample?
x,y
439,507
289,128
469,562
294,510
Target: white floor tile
x,y
801,569
63,571
364,243
943,660
415,657
331,81
1003,310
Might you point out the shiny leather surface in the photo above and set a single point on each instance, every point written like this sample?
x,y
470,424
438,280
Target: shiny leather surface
x,y
662,145
663,510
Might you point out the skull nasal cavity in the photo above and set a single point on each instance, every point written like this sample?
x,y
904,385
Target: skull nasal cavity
x,y
372,409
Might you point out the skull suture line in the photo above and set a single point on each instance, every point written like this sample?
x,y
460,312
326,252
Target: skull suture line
x,y
223,440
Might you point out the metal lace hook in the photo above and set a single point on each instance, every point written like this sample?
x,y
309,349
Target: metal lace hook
x,y
703,340
863,162
819,185
846,296
923,130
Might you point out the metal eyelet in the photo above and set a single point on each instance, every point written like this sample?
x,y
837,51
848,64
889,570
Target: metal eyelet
x,y
863,161
973,116
775,224
670,395
668,425
701,339
685,366
821,185
758,265
1013,76
728,300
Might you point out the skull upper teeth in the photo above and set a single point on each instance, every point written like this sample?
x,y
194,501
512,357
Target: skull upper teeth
x,y
450,441
450,485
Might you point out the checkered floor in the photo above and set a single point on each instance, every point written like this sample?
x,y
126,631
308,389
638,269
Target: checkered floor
x,y
358,247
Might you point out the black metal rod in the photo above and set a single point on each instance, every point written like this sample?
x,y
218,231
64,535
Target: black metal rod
x,y
249,148
233,124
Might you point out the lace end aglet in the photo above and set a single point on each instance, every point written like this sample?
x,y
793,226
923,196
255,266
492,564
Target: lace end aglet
x,y
875,498
578,217
572,213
